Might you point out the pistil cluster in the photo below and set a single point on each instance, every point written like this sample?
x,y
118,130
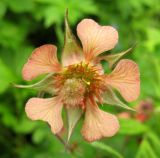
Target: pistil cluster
x,y
78,82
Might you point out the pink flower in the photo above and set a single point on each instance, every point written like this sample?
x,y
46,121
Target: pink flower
x,y
79,84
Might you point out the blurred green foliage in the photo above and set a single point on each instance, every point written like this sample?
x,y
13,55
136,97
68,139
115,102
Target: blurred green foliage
x,y
26,24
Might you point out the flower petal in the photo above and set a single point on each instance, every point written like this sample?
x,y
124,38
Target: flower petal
x,y
126,79
43,60
48,110
98,124
95,38
72,52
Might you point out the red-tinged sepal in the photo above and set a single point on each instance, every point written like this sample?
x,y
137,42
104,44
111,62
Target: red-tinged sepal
x,y
72,52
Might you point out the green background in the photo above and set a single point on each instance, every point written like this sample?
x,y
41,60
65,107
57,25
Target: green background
x,y
26,24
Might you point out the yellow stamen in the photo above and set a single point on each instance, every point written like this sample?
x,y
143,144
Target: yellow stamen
x,y
87,82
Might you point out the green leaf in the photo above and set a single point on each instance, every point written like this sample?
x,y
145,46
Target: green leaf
x,y
53,11
132,127
155,142
39,135
12,35
146,150
20,6
50,19
107,148
24,125
7,116
152,38
3,9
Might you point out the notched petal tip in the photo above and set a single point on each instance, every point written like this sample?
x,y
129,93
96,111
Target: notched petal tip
x,y
98,124
126,79
48,110
43,60
95,38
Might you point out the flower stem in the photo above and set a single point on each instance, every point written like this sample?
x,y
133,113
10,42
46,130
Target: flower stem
x,y
67,148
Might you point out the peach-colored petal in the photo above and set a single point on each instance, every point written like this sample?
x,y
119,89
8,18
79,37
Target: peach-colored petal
x,y
48,110
43,60
71,57
126,79
96,63
95,38
98,124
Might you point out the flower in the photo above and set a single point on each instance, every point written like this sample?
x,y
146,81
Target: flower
x,y
144,110
79,84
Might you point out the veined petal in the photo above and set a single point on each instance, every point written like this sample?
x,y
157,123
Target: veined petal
x,y
98,124
72,52
48,110
43,60
97,64
95,38
126,79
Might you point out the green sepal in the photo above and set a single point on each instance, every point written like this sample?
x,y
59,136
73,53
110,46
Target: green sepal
x,y
46,84
71,45
73,116
113,58
111,98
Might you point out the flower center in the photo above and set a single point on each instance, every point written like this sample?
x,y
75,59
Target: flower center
x,y
73,92
78,82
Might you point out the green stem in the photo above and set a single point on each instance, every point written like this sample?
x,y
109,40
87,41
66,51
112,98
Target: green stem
x,y
64,143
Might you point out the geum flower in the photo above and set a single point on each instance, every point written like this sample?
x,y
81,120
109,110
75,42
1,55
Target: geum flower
x,y
79,84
